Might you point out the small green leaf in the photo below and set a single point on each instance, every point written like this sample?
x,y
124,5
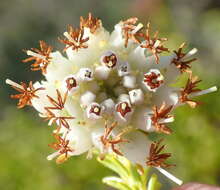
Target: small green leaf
x,y
135,176
153,183
144,177
116,182
111,162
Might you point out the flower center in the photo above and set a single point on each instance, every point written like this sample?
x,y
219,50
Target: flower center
x,y
95,109
88,74
71,83
110,61
123,108
153,80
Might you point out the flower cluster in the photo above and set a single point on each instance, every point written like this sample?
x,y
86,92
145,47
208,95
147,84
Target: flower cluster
x,y
111,90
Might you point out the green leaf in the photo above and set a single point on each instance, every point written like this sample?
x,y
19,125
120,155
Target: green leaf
x,y
116,182
153,183
111,162
144,177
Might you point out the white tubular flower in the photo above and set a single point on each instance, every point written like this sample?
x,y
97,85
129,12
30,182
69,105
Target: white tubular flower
x,y
124,69
87,98
110,90
79,140
96,135
123,109
108,105
70,84
85,74
94,111
109,59
129,81
58,68
102,72
153,80
136,96
74,142
136,151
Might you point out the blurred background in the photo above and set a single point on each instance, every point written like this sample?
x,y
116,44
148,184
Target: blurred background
x,y
24,137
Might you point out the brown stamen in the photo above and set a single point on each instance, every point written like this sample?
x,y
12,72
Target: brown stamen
x,y
191,87
75,40
27,93
128,28
92,23
154,44
61,120
59,103
109,141
161,113
40,63
152,80
179,62
156,158
62,146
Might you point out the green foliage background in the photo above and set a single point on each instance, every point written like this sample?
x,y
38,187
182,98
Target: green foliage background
x,y
24,137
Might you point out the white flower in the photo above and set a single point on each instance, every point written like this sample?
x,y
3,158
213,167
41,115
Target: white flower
x,y
94,111
153,80
110,90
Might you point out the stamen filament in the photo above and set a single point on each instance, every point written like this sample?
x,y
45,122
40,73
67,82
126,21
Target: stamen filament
x,y
168,120
12,83
170,176
191,52
31,53
202,92
157,43
66,34
138,27
53,155
51,121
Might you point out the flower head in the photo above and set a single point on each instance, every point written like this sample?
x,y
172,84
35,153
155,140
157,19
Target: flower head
x,y
111,90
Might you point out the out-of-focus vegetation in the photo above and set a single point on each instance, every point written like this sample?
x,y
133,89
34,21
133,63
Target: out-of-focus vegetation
x,y
24,137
